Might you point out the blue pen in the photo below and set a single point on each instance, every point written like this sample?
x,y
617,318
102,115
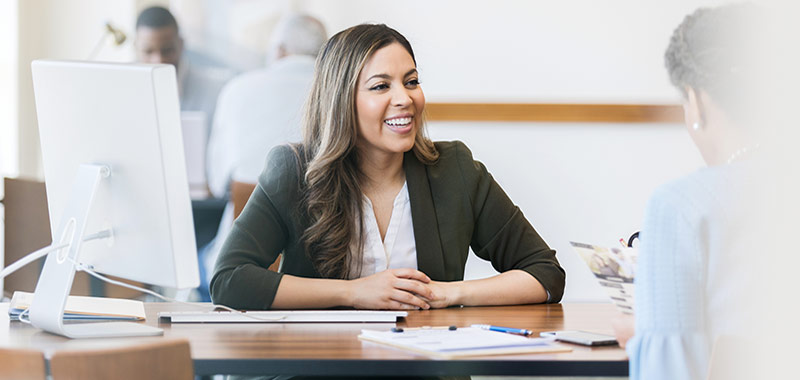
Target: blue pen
x,y
504,329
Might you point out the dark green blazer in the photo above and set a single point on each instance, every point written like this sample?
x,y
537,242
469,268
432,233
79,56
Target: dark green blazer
x,y
455,204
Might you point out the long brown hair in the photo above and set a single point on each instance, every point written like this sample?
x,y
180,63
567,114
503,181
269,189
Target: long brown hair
x,y
332,178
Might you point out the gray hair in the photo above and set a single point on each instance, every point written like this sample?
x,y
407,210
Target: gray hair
x,y
714,50
298,34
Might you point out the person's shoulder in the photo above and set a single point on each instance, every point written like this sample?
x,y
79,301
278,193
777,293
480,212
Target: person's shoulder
x,y
245,81
207,70
283,168
701,183
452,153
693,194
283,157
456,165
281,178
294,63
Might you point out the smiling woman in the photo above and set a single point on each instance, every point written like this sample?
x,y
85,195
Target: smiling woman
x,y
388,100
372,214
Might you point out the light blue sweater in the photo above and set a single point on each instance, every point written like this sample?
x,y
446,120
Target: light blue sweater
x,y
690,281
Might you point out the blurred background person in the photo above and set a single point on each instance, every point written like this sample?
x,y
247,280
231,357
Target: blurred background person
x,y
262,108
256,111
200,79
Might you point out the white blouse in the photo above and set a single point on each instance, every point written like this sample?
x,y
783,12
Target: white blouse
x,y
398,249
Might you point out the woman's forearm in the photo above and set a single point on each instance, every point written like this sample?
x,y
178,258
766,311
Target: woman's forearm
x,y
305,293
515,287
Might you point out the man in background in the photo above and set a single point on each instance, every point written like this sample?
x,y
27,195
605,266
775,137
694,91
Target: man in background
x,y
158,40
261,109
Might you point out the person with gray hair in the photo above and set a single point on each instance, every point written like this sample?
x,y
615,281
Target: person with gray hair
x,y
258,110
705,275
296,34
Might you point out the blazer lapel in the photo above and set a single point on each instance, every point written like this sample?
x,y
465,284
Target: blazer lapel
x,y
430,258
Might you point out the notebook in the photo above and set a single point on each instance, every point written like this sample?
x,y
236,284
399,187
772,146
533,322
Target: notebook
x,y
463,341
283,316
84,308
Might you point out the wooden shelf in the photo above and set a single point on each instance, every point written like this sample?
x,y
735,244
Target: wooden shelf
x,y
555,112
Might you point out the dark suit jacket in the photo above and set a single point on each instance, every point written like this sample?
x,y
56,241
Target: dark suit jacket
x,y
455,204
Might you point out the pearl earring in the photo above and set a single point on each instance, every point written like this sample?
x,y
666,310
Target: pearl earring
x,y
696,126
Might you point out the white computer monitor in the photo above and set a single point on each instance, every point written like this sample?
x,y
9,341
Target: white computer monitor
x,y
113,159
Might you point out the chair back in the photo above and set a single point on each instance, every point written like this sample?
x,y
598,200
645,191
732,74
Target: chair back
x,y
240,193
163,360
21,364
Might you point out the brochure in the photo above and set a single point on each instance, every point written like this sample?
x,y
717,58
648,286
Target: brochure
x,y
614,269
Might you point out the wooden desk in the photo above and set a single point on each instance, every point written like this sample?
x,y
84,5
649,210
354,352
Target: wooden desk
x,y
334,349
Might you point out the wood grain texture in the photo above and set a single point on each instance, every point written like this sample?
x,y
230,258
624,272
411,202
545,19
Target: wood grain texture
x,y
161,360
21,364
555,112
285,347
240,193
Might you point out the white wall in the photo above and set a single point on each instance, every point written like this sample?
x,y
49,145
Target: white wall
x,y
528,50
586,183
53,29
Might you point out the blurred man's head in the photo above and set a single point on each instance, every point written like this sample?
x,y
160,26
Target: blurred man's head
x,y
157,37
296,34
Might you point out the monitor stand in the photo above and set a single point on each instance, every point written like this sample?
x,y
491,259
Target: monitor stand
x,y
55,282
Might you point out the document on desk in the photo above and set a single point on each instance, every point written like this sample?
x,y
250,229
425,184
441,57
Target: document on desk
x,y
463,341
284,316
84,308
614,269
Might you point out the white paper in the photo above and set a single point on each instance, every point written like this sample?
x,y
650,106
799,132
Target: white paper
x,y
464,341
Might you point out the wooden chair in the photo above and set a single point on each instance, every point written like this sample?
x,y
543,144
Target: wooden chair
x,y
240,193
21,365
164,360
